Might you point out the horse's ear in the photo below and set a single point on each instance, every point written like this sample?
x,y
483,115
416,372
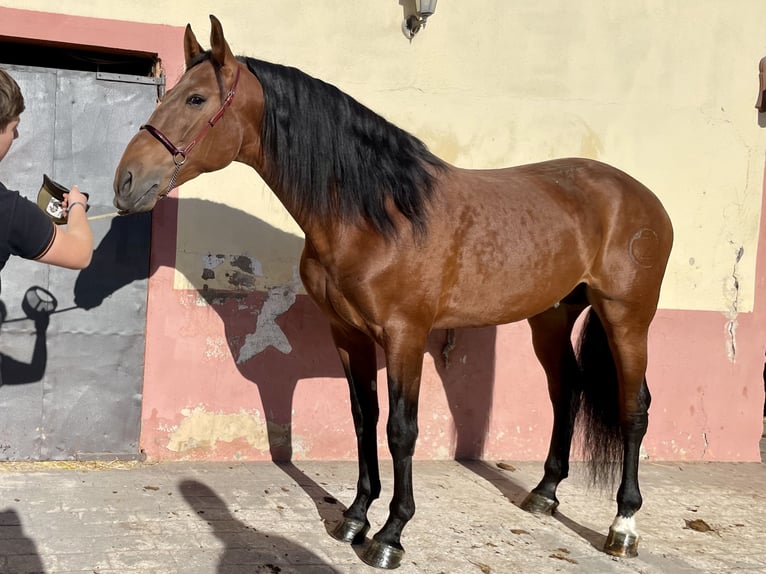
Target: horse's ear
x,y
192,49
218,44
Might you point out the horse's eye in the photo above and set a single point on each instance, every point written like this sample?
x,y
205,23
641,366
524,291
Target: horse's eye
x,y
195,100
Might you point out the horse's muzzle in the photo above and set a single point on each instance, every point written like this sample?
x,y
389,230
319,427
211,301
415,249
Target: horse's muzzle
x,y
132,197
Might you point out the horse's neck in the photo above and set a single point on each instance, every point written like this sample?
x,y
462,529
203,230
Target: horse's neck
x,y
251,155
323,232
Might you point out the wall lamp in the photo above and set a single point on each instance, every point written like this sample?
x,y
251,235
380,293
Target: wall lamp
x,y
413,23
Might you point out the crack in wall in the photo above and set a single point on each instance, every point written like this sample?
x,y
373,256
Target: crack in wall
x,y
732,292
706,444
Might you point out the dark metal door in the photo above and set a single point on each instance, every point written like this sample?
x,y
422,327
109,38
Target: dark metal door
x,y
72,388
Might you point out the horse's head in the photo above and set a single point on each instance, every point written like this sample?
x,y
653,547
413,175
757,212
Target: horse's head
x,y
198,127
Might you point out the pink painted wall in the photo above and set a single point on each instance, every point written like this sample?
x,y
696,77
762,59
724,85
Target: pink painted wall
x,y
491,401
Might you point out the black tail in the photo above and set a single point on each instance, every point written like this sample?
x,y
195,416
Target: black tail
x,y
598,419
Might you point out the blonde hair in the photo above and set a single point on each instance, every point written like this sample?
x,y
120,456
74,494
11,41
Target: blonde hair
x,y
11,100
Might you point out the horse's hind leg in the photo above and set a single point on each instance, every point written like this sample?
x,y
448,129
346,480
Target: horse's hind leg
x,y
551,338
627,325
357,354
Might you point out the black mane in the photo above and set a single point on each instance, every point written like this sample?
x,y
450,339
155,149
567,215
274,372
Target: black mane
x,y
334,156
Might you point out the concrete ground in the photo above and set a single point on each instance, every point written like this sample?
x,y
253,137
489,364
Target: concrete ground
x,y
199,518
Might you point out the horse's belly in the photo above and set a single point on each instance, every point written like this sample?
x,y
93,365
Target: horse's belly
x,y
484,313
497,298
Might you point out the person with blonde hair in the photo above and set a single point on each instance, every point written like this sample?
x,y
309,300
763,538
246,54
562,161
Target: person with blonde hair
x,y
25,231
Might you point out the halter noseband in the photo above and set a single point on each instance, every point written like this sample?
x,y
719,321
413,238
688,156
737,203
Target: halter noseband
x,y
179,155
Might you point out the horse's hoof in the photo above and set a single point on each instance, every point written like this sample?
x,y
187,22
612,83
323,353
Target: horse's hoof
x,y
539,504
382,555
622,544
350,531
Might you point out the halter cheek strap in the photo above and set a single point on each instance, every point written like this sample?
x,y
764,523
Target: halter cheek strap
x,y
179,154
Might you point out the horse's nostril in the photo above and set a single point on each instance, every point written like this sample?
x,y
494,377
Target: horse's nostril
x,y
123,184
126,181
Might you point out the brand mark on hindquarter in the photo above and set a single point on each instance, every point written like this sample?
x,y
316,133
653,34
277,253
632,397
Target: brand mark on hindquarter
x,y
643,247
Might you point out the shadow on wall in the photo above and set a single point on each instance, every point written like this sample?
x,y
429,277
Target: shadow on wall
x,y
275,349
15,372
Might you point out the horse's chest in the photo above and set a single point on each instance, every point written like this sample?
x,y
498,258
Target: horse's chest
x,y
337,301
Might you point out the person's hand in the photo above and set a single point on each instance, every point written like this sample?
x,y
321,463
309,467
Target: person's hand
x,y
41,322
74,196
72,247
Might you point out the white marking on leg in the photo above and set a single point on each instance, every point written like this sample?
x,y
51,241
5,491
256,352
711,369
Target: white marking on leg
x,y
625,525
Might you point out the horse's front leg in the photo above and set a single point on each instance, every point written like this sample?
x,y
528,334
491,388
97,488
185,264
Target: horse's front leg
x,y
404,364
551,339
357,354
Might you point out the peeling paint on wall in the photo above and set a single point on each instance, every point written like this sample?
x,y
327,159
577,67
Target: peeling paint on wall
x,y
201,429
238,272
210,262
267,332
247,264
191,299
216,348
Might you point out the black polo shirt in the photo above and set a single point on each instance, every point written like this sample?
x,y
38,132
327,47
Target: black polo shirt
x,y
25,230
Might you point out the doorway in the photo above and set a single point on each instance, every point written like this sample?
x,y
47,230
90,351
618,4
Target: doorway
x,y
72,383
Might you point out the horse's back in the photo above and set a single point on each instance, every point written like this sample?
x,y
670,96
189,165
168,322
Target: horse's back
x,y
599,198
582,179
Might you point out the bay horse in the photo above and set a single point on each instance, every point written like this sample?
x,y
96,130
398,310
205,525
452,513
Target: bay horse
x,y
399,242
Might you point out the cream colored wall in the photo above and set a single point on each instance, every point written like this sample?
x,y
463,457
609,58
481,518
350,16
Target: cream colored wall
x,y
663,89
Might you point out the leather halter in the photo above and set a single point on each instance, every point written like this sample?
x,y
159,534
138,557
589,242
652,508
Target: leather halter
x,y
179,154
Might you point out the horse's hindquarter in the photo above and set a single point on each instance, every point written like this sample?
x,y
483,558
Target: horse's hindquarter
x,y
512,242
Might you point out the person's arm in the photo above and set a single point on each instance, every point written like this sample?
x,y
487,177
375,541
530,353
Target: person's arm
x,y
72,247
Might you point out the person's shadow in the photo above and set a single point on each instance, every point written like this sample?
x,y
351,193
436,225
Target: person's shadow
x,y
22,556
15,372
244,543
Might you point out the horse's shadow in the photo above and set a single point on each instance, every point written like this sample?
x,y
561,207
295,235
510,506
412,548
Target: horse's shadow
x,y
265,550
515,493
